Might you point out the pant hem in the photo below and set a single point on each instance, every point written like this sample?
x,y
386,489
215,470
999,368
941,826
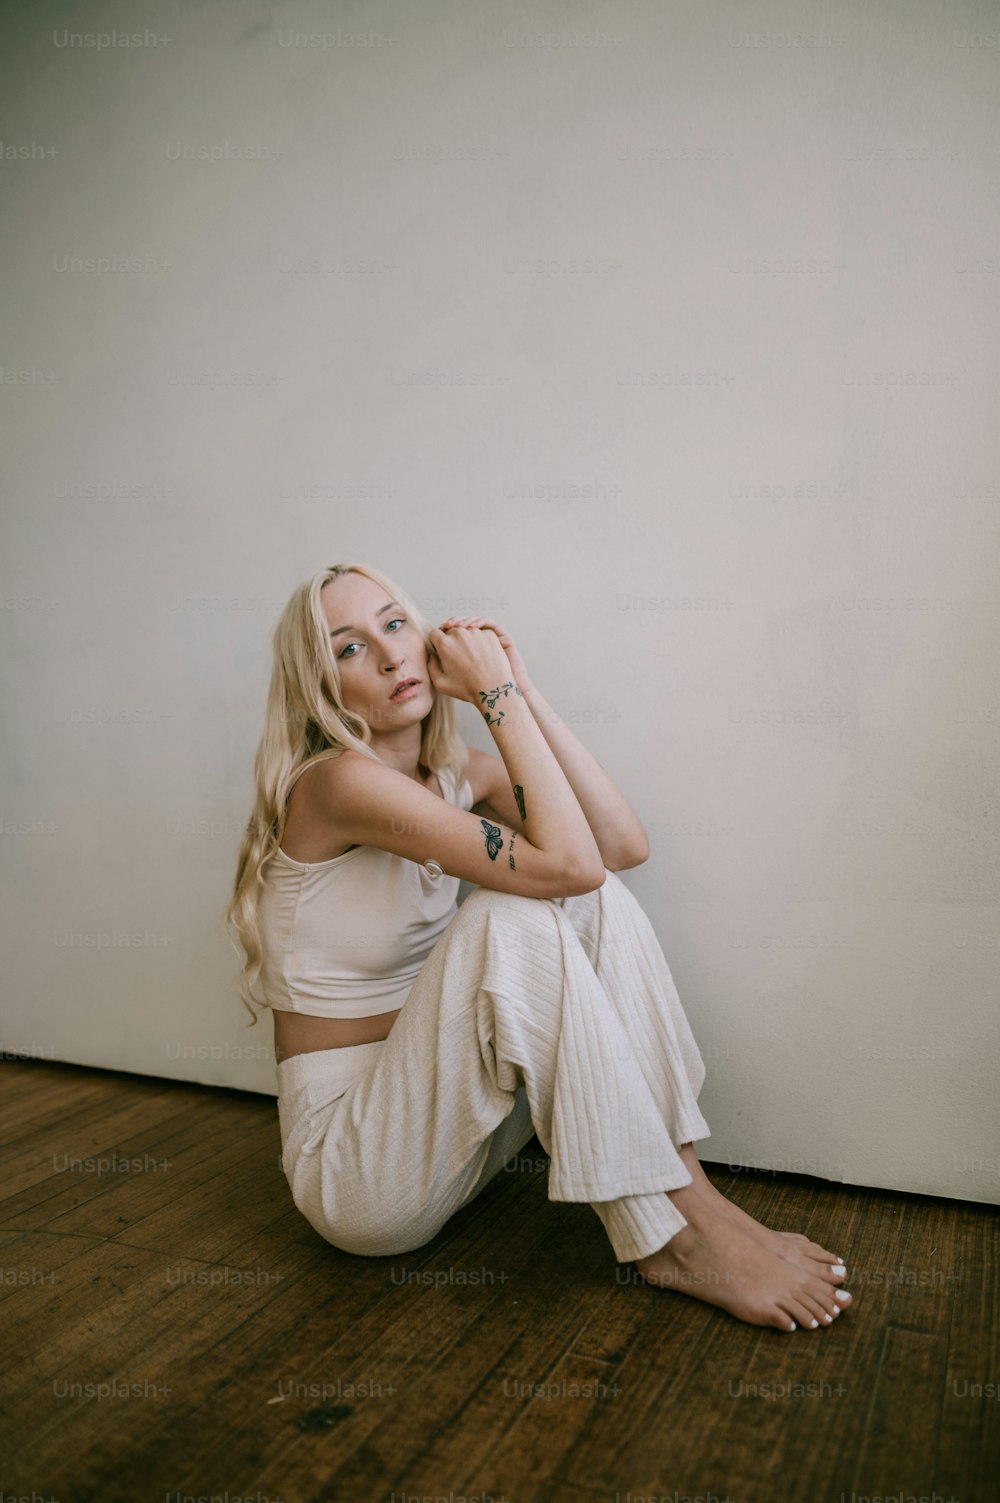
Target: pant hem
x,y
574,1193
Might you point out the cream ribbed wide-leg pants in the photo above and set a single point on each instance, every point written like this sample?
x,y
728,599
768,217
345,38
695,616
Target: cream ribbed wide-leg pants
x,y
555,1016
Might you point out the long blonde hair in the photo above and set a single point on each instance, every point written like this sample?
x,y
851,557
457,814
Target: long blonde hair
x,y
306,715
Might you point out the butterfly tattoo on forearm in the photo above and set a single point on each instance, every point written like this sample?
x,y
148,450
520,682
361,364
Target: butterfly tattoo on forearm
x,y
494,840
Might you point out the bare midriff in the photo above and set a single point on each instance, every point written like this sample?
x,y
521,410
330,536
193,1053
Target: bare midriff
x,y
303,1033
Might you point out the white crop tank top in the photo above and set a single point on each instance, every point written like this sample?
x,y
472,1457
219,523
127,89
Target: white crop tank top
x,y
346,938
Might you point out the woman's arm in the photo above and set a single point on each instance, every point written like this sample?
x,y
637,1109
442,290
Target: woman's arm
x,y
616,827
367,803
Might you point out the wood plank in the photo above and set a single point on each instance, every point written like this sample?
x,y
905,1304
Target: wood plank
x,y
922,1286
679,1337
899,1448
428,1333
705,1403
969,1447
824,1440
81,1158
56,1097
165,1160
295,1351
620,1318
549,1409
133,1318
520,1331
75,1296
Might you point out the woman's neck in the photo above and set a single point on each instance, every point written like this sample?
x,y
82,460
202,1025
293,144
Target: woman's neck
x,y
402,752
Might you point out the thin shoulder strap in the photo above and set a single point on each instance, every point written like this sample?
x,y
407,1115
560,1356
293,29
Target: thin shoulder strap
x,y
320,757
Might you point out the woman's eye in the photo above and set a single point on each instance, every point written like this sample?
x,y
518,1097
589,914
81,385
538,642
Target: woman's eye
x,y
347,649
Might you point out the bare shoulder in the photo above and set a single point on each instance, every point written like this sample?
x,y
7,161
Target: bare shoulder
x,y
334,777
311,832
324,773
339,789
333,766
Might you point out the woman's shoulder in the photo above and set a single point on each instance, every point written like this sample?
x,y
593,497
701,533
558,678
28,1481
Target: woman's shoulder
x,y
318,759
310,831
343,767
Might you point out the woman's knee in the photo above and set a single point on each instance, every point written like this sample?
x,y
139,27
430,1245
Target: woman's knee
x,y
484,905
385,1238
612,894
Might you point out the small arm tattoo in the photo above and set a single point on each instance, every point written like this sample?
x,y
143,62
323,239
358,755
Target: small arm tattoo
x,y
494,840
491,696
510,850
519,795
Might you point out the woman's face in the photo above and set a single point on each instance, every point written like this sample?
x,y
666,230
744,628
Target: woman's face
x,y
377,648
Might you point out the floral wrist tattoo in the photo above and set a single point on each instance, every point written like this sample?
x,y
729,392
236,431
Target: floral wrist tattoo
x,y
490,698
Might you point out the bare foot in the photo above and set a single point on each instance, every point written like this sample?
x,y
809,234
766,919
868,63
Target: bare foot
x,y
714,1260
792,1246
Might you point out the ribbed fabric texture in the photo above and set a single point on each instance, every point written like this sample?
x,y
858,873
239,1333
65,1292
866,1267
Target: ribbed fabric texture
x,y
552,1016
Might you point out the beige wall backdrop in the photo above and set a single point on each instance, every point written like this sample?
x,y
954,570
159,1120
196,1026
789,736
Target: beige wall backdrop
x,y
666,334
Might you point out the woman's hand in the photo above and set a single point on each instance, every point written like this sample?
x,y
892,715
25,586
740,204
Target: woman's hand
x,y
518,671
464,663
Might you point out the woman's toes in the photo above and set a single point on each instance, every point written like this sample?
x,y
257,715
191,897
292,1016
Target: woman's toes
x,y
800,1312
830,1273
813,1248
817,1309
843,1297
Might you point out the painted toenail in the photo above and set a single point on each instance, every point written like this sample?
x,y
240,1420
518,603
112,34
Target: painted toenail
x,y
840,1268
813,1324
841,1294
828,1319
793,1326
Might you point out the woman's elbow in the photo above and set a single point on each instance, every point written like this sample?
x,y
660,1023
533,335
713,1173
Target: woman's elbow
x,y
642,851
575,879
633,855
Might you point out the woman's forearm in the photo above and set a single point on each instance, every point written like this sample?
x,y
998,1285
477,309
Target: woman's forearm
x,y
616,827
553,820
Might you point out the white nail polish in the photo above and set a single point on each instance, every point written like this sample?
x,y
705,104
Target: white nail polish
x,y
794,1326
813,1325
840,1268
828,1319
840,1294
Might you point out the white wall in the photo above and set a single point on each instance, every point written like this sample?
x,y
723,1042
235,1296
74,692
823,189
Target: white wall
x,y
667,334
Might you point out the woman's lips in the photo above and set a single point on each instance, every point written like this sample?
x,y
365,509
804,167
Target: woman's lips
x,y
407,691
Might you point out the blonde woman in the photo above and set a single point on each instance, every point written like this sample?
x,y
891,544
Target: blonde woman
x,y
420,1044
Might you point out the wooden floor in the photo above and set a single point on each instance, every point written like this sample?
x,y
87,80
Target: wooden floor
x,y
173,1326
